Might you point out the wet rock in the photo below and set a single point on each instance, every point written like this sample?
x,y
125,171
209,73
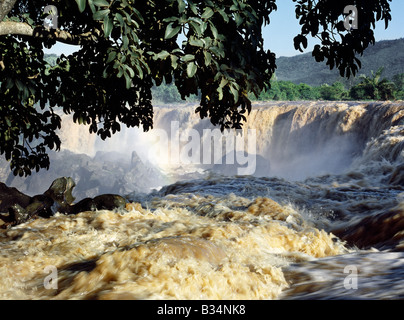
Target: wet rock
x,y
61,190
16,207
18,214
101,202
41,206
11,196
61,193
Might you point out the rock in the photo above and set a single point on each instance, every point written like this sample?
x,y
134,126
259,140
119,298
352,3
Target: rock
x,y
41,206
61,193
58,198
18,214
10,196
102,202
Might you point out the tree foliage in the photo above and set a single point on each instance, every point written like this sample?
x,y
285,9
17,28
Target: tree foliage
x,y
398,81
280,90
339,48
374,87
128,46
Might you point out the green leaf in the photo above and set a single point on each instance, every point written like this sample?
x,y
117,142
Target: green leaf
x,y
193,8
92,7
161,55
107,26
125,42
139,70
208,58
101,3
224,15
239,20
131,72
81,4
19,84
217,76
174,60
188,57
138,15
181,6
214,30
191,69
196,42
220,91
128,81
207,13
223,82
120,19
111,56
171,32
216,51
197,27
234,92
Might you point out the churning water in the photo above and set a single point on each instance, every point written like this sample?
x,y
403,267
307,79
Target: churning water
x,y
321,218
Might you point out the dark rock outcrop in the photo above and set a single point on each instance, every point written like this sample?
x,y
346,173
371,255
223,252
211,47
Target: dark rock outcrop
x,y
16,207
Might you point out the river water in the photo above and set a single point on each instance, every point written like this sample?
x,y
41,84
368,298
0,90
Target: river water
x,y
322,217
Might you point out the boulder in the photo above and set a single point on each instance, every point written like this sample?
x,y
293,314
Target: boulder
x,y
17,207
10,196
101,202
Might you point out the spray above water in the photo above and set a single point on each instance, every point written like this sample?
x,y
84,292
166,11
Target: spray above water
x,y
325,174
287,140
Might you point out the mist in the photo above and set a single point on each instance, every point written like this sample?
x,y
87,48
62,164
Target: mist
x,y
293,141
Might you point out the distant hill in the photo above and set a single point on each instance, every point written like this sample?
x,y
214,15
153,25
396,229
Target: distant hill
x,y
304,69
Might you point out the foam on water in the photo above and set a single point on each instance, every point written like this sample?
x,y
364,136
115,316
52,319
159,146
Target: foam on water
x,y
193,248
333,197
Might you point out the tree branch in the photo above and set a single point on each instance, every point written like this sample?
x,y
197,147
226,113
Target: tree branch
x,y
24,29
5,7
17,28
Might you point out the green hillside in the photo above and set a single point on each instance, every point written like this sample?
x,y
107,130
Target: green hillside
x,y
302,78
304,69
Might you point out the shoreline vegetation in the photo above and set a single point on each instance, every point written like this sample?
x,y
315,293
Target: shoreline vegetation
x,y
371,87
367,88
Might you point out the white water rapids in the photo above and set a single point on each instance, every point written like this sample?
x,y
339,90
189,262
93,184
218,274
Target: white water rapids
x,y
322,217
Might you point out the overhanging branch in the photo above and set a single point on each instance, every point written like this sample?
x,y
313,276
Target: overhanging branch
x,y
24,29
17,28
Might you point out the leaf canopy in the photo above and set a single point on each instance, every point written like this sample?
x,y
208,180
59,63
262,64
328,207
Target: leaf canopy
x,y
126,47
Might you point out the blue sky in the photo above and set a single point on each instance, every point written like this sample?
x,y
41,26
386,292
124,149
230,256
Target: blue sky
x,y
279,34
